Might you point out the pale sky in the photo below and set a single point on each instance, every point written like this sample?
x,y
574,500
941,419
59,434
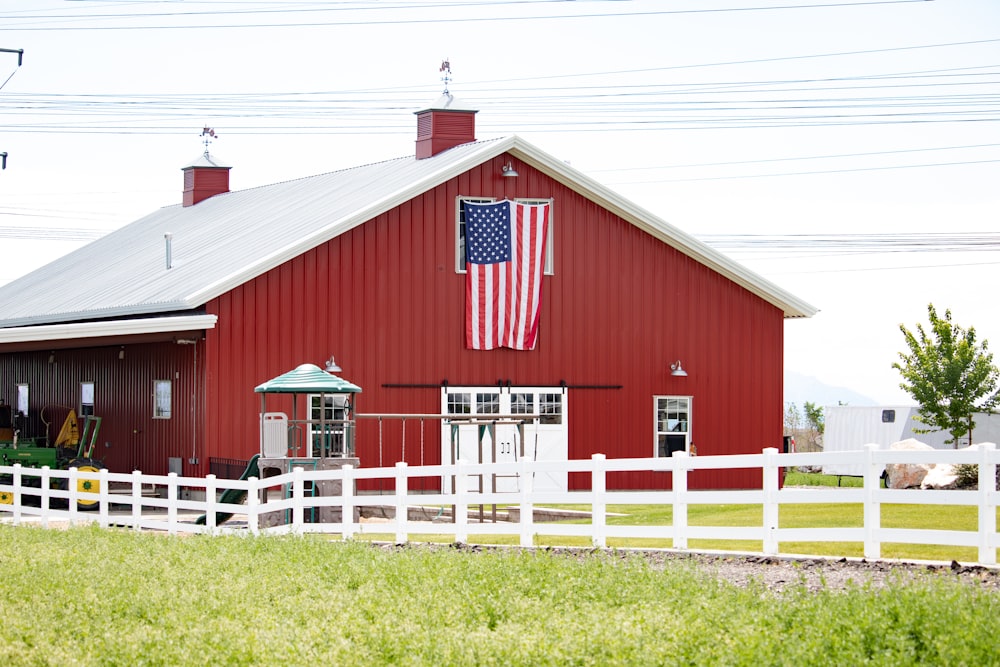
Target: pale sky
x,y
849,145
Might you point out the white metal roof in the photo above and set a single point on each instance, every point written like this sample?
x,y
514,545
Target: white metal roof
x,y
230,238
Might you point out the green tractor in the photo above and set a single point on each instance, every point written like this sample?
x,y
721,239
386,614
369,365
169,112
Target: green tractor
x,y
72,449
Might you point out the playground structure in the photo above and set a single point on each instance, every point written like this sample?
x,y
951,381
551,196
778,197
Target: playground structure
x,y
318,434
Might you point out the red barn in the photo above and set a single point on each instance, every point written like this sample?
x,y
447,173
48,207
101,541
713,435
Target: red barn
x,y
648,340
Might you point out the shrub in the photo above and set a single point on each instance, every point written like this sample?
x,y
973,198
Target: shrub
x,y
968,476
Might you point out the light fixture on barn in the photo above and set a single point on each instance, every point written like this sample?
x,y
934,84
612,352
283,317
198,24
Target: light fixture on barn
x,y
332,367
52,357
121,353
676,370
508,171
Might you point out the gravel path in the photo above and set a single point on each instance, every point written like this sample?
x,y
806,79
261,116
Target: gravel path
x,y
780,573
777,574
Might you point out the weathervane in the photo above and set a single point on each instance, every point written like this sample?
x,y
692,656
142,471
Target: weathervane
x,y
207,134
446,68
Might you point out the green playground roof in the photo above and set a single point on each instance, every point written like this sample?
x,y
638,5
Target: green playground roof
x,y
307,379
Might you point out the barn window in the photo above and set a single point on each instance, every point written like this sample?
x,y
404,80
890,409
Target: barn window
x,y
459,404
162,391
673,424
22,399
488,404
86,399
460,231
550,408
522,403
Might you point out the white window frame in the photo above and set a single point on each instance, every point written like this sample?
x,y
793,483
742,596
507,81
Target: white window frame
x,y
334,405
22,399
680,427
460,230
86,399
163,391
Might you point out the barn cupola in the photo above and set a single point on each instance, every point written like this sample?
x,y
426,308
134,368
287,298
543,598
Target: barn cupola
x,y
443,125
204,178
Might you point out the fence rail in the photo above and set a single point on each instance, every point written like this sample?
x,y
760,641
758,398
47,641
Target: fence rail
x,y
46,496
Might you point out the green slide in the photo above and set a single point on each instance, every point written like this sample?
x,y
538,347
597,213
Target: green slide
x,y
233,496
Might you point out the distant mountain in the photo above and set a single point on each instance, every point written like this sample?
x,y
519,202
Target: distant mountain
x,y
802,388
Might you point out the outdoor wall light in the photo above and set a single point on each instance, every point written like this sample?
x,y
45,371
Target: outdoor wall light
x,y
676,370
121,353
509,171
332,367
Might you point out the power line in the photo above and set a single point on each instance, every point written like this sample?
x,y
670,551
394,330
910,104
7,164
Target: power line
x,y
436,20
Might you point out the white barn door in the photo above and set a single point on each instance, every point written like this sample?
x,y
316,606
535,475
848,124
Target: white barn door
x,y
545,437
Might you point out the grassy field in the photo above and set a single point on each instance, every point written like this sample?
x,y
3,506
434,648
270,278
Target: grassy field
x,y
87,596
930,517
796,478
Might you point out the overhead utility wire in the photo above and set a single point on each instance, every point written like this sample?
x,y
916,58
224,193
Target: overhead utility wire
x,y
806,173
834,54
793,159
418,21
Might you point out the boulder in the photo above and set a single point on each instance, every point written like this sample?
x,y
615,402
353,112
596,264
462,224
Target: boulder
x,y
907,475
943,475
940,476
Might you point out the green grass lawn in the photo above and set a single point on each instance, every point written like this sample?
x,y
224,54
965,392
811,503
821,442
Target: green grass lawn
x,y
87,596
832,515
796,478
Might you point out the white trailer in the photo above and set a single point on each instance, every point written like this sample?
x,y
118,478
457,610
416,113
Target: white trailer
x,y
849,427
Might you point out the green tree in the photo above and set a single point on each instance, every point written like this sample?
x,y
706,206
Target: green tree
x,y
793,419
948,374
814,416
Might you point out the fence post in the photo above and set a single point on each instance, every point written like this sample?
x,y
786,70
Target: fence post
x,y
298,495
987,508
770,471
873,511
347,510
71,486
402,489
599,506
137,500
461,503
44,496
18,496
211,522
171,503
103,498
253,503
679,485
527,527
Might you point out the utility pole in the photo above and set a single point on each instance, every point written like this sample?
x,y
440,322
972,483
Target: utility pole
x,y
20,59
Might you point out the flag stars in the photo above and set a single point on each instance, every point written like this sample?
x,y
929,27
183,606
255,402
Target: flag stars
x,y
488,232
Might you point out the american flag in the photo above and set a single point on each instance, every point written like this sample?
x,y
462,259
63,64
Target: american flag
x,y
505,261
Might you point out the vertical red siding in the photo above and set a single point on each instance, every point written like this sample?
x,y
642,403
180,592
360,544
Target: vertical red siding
x,y
384,298
129,439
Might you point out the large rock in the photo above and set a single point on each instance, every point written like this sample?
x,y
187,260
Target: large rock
x,y
940,476
907,475
943,476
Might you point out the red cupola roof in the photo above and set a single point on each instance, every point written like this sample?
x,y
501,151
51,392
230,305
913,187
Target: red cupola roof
x,y
204,178
443,125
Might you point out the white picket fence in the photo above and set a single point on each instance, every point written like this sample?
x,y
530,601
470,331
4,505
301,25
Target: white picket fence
x,y
286,493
